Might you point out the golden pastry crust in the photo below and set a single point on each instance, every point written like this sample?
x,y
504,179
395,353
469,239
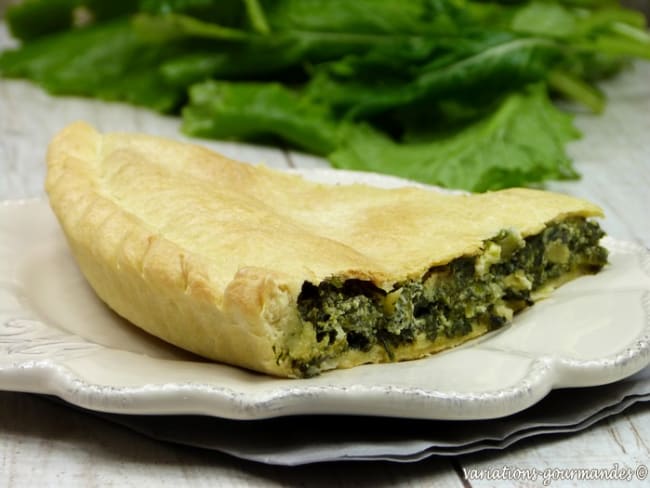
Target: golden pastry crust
x,y
211,254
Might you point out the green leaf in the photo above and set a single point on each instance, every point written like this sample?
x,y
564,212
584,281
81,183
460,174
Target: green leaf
x,y
173,27
366,17
228,13
232,62
107,61
616,46
545,19
494,64
521,143
257,17
591,23
256,110
32,19
619,33
36,18
575,89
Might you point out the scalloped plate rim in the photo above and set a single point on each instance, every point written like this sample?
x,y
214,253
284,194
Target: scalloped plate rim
x,y
50,375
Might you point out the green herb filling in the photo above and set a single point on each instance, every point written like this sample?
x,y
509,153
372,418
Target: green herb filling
x,y
449,300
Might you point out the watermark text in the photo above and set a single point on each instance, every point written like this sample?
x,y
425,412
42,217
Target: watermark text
x,y
546,476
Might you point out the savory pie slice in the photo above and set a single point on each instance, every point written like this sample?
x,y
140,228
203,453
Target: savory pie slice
x,y
265,270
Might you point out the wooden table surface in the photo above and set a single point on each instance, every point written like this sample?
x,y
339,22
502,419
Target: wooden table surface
x,y
48,444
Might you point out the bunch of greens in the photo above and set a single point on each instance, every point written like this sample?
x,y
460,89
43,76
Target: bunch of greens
x,y
449,92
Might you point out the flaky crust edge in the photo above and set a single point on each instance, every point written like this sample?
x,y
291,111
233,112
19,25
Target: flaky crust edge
x,y
154,283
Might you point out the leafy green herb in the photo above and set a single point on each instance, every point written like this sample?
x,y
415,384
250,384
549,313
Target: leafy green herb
x,y
248,111
451,92
496,151
107,61
32,19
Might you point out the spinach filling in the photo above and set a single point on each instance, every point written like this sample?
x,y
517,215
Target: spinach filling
x,y
449,299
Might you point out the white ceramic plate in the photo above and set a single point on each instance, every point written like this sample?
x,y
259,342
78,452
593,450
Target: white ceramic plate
x,y
57,338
